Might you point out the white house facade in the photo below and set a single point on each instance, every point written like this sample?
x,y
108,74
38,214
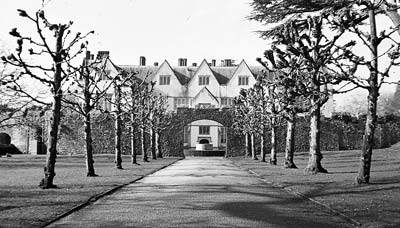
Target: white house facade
x,y
205,86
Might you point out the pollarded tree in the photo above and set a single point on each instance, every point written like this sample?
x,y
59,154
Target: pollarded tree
x,y
272,11
87,89
245,121
120,81
291,88
145,102
305,43
377,75
158,121
131,106
263,98
55,43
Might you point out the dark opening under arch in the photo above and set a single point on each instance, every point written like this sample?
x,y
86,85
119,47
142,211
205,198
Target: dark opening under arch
x,y
204,141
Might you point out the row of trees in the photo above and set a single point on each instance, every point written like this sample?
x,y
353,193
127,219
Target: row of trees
x,y
80,86
311,52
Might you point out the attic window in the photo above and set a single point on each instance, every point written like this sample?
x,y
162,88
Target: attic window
x,y
243,80
204,79
165,79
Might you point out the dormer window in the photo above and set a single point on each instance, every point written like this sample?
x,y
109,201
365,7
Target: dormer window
x,y
204,79
165,79
243,80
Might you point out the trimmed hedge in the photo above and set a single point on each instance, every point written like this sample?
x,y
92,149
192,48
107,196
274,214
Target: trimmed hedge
x,y
341,132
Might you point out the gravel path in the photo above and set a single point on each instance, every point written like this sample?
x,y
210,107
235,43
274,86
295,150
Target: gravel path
x,y
201,192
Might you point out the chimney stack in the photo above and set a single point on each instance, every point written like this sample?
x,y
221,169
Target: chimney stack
x,y
142,61
103,54
155,63
87,57
182,62
228,62
213,62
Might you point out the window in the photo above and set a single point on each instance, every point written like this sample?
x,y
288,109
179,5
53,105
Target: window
x,y
243,80
222,134
181,102
105,103
186,134
165,79
204,130
226,101
204,79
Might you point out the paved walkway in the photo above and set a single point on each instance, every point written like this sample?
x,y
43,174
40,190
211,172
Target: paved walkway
x,y
201,192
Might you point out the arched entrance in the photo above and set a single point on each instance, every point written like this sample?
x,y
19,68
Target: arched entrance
x,y
205,138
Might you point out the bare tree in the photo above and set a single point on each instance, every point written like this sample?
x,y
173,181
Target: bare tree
x,y
158,121
301,46
131,106
264,100
377,77
245,122
87,90
60,57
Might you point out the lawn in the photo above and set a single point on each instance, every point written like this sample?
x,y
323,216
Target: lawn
x,y
373,205
24,204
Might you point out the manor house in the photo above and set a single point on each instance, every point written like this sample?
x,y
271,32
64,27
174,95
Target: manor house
x,y
203,86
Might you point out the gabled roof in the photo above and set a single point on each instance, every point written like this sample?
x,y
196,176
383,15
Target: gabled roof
x,y
181,73
185,73
141,72
208,92
223,74
204,63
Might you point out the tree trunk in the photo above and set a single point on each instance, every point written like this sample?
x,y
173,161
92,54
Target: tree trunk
x,y
88,130
158,145
153,144
118,127
133,145
289,150
272,159
370,124
247,145
314,162
253,149
144,146
49,169
262,145
89,148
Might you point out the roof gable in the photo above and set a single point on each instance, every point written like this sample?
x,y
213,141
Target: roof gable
x,y
205,92
205,68
242,69
166,66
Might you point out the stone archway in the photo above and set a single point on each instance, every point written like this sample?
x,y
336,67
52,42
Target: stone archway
x,y
205,138
5,138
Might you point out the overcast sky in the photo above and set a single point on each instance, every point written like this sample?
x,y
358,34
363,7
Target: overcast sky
x,y
157,29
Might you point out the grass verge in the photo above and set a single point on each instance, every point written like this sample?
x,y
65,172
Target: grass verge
x,y
374,205
24,204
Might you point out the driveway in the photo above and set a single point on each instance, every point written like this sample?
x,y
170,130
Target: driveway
x,y
202,192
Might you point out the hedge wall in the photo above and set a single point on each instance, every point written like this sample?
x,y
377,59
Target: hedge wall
x,y
341,132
